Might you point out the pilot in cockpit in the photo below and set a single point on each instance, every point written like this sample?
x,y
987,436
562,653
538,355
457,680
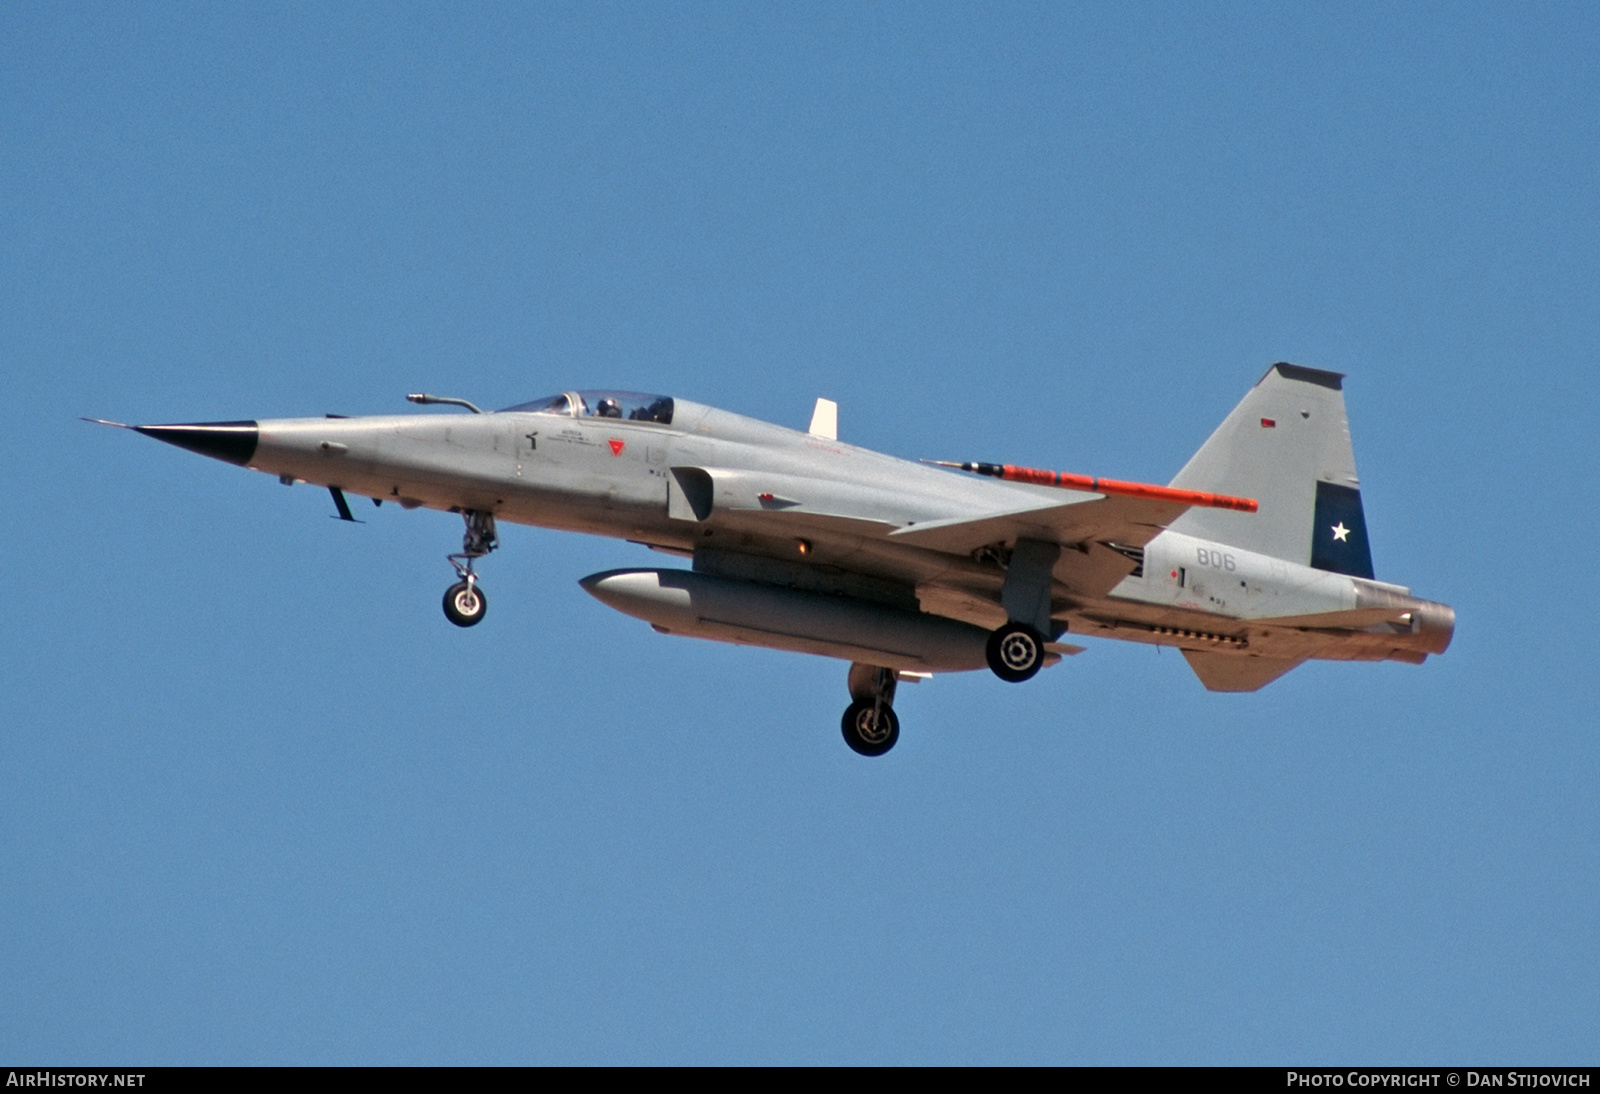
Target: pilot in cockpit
x,y
608,408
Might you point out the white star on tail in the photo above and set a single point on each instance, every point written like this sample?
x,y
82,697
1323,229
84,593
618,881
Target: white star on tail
x,y
1340,532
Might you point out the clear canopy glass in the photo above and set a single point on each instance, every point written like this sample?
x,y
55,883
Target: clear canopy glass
x,y
632,406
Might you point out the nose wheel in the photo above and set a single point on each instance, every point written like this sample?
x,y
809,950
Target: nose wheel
x,y
870,724
464,602
870,729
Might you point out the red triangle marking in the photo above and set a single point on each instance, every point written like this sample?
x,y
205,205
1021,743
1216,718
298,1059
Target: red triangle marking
x,y
616,446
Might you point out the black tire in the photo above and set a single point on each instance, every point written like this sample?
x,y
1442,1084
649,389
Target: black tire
x,y
1015,652
465,604
868,735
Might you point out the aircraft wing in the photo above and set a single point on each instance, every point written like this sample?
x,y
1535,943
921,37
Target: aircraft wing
x,y
1130,522
1103,534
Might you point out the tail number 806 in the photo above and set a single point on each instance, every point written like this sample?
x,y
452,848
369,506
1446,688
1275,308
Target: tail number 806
x,y
1217,560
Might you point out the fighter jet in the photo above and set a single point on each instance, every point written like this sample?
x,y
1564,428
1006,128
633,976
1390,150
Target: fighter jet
x,y
1254,559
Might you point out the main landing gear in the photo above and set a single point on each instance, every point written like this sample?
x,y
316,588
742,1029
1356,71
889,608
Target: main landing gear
x,y
1015,652
870,725
464,602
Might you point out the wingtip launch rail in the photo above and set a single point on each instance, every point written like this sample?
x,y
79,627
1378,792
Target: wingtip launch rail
x,y
1095,485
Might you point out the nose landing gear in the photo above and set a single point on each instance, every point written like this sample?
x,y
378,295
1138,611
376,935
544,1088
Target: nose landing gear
x,y
464,602
870,725
870,730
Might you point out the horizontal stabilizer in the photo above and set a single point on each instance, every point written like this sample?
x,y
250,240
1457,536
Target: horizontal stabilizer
x,y
1236,671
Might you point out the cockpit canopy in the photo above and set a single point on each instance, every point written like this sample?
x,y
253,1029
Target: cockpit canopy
x,y
629,405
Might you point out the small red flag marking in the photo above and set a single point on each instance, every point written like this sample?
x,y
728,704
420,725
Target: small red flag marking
x,y
1268,423
616,446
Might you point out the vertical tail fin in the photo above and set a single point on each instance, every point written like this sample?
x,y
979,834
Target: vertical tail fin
x,y
1287,444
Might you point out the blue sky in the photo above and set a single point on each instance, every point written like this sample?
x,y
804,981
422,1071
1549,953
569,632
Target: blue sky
x,y
260,802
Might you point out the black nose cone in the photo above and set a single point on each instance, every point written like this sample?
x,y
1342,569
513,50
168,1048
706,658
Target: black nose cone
x,y
231,441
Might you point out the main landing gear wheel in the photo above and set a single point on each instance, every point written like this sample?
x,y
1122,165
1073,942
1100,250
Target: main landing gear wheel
x,y
464,604
870,728
1015,652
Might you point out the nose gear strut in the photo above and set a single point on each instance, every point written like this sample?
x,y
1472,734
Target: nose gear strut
x,y
464,602
870,724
